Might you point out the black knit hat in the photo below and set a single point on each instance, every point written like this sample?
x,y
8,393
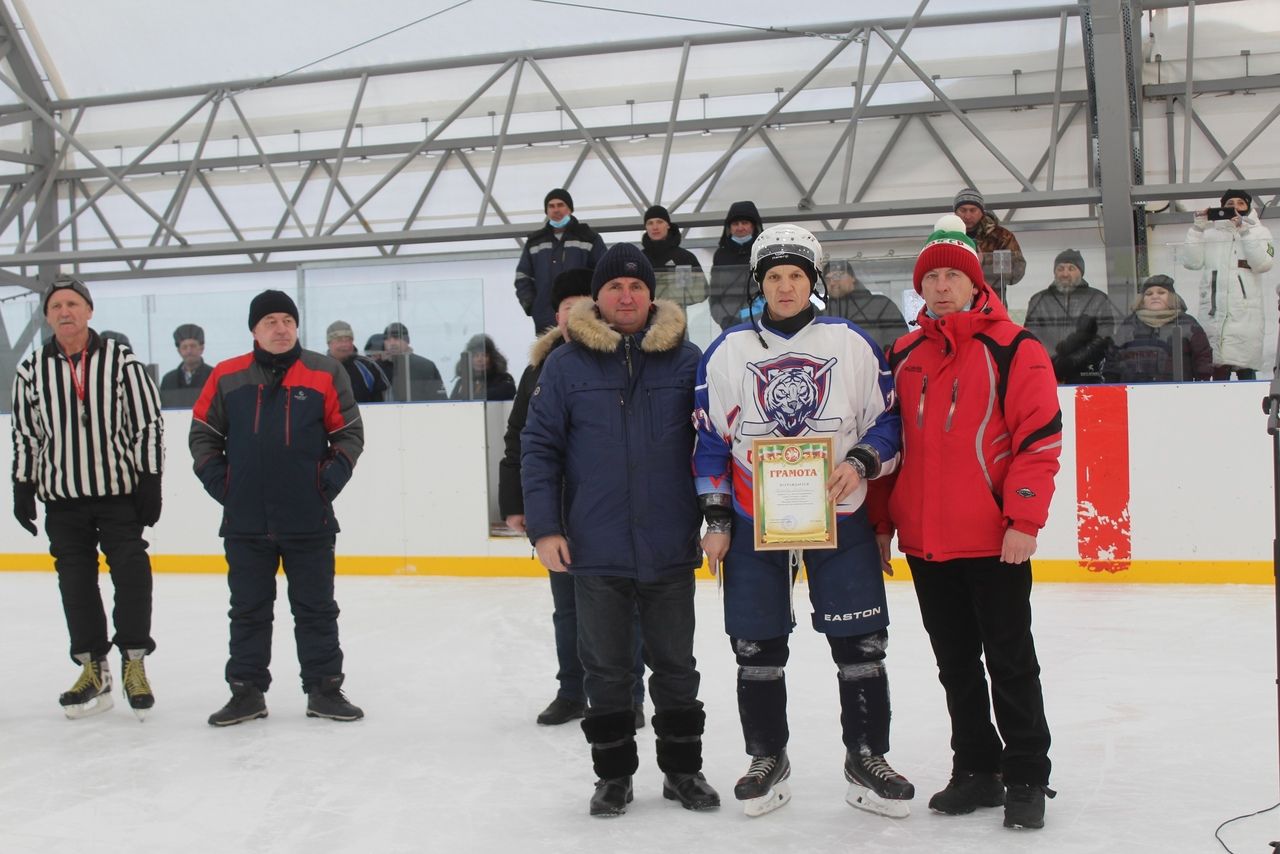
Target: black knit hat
x,y
271,302
1237,194
570,283
396,330
558,193
188,331
62,283
657,212
1157,281
1070,256
622,259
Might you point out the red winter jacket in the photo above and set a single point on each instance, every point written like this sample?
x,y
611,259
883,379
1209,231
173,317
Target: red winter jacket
x,y
972,467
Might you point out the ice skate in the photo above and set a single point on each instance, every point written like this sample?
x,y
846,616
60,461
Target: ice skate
x,y
137,690
764,787
875,787
91,693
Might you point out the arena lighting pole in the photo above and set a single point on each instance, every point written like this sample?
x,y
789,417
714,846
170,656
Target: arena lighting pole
x,y
1271,406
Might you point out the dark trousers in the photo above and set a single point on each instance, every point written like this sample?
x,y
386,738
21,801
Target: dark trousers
x,y
1223,372
979,607
607,640
564,616
251,575
76,527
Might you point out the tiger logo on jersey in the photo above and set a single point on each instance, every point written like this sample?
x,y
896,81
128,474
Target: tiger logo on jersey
x,y
791,392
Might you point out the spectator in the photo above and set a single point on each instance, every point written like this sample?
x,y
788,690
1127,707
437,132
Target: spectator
x,y
561,244
275,437
616,507
570,703
677,271
1073,321
412,377
985,230
1233,253
731,267
112,335
971,495
368,383
481,372
754,382
181,386
875,314
1159,341
87,441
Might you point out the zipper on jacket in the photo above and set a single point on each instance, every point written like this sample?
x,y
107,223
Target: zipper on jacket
x,y
626,350
288,406
955,392
924,385
1213,293
257,410
1243,293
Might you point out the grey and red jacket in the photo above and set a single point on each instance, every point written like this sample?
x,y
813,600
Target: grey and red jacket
x,y
275,439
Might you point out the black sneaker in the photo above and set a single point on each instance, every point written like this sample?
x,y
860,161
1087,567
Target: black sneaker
x,y
560,711
246,703
967,791
761,776
1024,805
691,790
611,797
326,700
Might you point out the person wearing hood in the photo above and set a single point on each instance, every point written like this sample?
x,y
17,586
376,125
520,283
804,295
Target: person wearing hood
x,y
986,232
677,272
608,498
970,378
1233,253
563,243
791,374
1073,320
730,291
481,372
182,385
1159,341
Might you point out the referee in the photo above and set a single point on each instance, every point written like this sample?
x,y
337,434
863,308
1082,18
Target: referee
x,y
87,442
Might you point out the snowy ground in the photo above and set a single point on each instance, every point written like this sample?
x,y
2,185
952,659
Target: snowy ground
x,y
1161,700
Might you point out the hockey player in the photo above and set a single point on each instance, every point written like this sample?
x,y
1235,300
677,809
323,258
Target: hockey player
x,y
791,373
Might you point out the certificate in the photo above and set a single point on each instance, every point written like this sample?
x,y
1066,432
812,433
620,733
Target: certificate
x,y
790,484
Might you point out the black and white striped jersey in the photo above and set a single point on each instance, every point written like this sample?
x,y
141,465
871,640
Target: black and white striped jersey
x,y
95,447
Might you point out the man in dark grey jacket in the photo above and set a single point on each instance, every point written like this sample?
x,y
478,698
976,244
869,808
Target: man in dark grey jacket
x,y
609,497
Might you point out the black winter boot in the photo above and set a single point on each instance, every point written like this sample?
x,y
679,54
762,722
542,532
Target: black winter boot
x,y
680,758
967,791
561,710
1024,805
326,700
246,703
614,759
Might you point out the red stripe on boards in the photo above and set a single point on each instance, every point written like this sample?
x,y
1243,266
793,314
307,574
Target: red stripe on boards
x,y
1102,478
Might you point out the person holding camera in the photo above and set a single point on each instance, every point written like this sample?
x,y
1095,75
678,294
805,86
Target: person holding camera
x,y
1233,249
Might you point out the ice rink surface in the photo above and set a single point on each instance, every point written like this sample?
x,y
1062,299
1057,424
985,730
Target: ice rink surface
x,y
1161,700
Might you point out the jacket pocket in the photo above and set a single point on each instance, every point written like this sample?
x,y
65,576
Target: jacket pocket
x,y
670,404
595,407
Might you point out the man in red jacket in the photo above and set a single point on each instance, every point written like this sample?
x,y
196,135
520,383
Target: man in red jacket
x,y
981,436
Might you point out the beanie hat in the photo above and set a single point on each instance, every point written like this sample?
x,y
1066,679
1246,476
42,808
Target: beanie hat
x,y
271,302
1237,194
1070,256
62,283
622,259
1157,281
558,193
339,329
949,246
657,212
396,330
570,283
188,331
969,196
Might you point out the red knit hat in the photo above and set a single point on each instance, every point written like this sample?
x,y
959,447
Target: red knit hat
x,y
949,246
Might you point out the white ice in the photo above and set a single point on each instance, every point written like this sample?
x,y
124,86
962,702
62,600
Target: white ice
x,y
1161,699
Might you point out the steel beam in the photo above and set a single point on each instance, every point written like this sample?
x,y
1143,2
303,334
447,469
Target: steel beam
x,y
342,152
671,123
500,145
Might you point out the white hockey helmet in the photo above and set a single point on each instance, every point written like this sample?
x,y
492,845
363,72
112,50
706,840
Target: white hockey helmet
x,y
786,244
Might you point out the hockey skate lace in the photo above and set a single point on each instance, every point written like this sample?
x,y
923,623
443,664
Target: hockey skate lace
x,y
135,678
88,679
879,767
761,767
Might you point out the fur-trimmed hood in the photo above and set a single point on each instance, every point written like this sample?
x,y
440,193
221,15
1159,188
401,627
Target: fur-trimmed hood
x,y
665,330
544,344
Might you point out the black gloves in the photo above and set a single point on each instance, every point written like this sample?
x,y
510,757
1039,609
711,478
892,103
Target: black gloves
x,y
24,506
146,498
526,303
335,471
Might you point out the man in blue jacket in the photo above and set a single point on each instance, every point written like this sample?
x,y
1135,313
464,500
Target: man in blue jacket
x,y
561,244
275,436
609,497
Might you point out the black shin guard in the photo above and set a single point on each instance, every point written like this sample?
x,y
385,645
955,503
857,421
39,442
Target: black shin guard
x,y
864,692
679,742
613,744
762,694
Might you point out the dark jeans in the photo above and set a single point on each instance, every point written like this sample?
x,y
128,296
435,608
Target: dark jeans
x,y
971,608
251,575
76,527
606,641
564,617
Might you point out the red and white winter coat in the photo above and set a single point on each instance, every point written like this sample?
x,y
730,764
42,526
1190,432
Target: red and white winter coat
x,y
981,432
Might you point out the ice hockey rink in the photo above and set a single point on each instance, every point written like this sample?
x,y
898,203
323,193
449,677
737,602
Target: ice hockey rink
x,y
1161,699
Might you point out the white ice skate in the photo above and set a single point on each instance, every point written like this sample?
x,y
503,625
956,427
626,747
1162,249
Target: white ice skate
x,y
764,788
875,787
91,693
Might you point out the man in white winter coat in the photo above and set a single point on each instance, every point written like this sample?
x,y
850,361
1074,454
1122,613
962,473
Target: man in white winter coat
x,y
1233,253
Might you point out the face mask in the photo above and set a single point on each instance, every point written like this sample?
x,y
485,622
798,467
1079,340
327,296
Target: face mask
x,y
741,241
560,223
